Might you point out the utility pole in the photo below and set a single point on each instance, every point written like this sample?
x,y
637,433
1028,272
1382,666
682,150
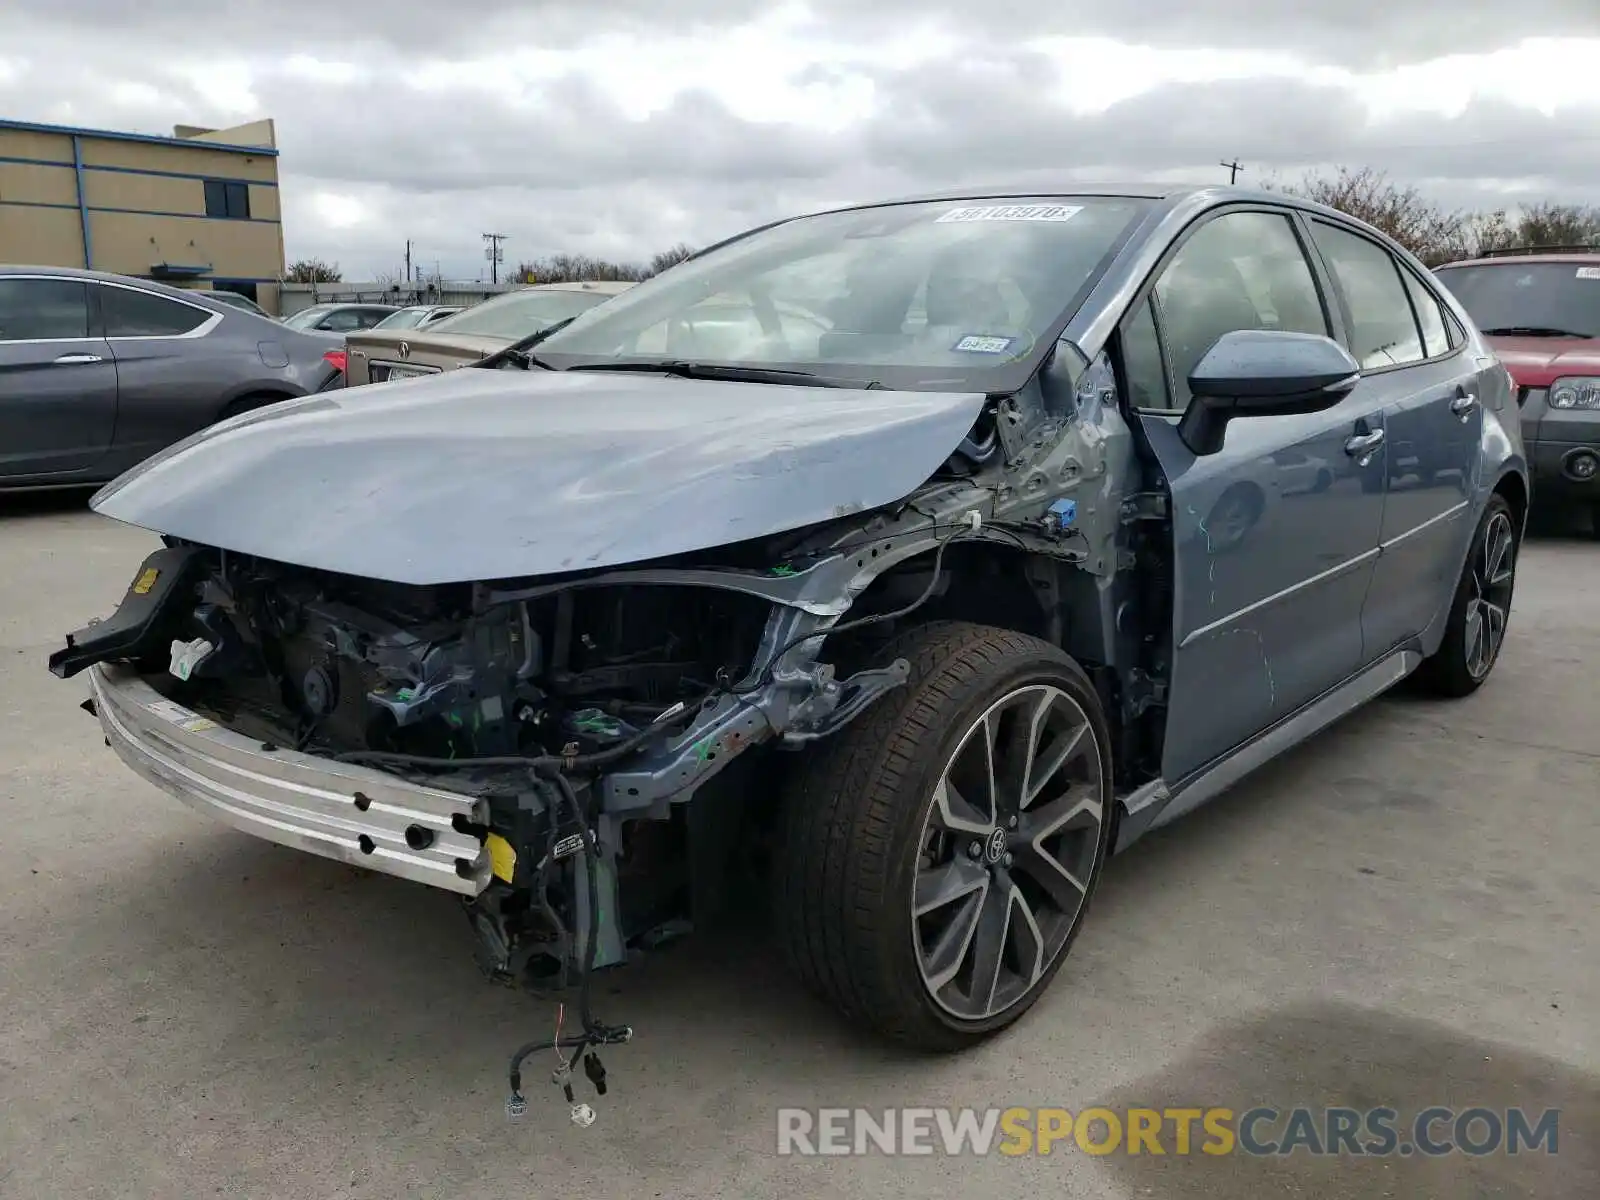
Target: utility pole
x,y
1233,169
494,254
408,263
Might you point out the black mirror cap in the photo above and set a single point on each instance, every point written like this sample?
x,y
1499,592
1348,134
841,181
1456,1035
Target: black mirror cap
x,y
1263,372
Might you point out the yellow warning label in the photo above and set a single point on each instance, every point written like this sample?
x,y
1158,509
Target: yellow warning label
x,y
502,858
146,581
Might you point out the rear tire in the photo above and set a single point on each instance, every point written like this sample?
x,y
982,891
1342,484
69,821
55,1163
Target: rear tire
x,y
925,897
1481,610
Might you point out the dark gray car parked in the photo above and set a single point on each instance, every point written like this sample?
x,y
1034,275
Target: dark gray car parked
x,y
100,371
1026,522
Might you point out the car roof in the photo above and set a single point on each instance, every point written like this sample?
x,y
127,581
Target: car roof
x,y
149,285
1574,255
1142,191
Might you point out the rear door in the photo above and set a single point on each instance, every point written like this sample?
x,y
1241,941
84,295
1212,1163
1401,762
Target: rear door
x,y
173,367
1415,366
58,382
1275,534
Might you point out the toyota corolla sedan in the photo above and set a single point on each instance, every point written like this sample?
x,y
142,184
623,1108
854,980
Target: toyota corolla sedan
x,y
898,596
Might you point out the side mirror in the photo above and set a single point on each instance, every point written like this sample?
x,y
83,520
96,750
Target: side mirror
x,y
1263,373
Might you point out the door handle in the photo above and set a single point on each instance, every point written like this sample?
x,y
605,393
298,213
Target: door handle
x,y
1362,445
1463,404
68,360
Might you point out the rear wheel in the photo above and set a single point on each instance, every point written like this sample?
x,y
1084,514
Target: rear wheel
x,y
940,854
1476,628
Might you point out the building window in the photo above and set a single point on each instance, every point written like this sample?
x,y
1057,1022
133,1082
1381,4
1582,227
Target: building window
x,y
227,199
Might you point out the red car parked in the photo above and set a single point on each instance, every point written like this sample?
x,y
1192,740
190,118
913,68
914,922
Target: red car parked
x,y
1540,310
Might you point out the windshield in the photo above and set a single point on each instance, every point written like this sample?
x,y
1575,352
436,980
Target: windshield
x,y
1547,297
406,318
307,317
942,295
517,314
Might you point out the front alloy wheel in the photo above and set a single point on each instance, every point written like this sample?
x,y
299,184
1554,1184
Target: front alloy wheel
x,y
939,855
1009,843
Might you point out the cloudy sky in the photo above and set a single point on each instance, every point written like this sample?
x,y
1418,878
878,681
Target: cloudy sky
x,y
618,127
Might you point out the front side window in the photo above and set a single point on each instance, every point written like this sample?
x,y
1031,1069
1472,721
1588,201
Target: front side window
x,y
953,295
1242,270
1383,329
42,310
130,313
516,315
1142,361
1543,299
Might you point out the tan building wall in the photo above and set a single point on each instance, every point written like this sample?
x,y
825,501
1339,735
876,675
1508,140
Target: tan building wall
x,y
199,209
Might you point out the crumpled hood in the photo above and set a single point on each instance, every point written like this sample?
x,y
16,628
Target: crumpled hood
x,y
1539,362
484,474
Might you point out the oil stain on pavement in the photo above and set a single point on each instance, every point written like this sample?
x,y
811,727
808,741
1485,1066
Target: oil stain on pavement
x,y
1339,1056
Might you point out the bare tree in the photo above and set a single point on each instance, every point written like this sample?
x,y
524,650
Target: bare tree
x,y
575,268
1434,234
670,257
313,270
1547,224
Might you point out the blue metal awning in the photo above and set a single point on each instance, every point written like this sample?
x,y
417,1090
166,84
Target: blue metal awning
x,y
165,270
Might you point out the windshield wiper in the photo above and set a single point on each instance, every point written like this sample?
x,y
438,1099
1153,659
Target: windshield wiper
x,y
1535,331
517,352
693,370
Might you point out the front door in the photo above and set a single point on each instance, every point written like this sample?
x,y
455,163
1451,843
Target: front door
x,y
1417,368
58,384
1275,534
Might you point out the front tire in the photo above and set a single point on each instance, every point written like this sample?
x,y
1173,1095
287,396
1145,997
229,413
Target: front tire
x,y
1476,628
939,855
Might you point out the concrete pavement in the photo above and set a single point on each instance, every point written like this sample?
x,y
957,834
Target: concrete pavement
x,y
1402,913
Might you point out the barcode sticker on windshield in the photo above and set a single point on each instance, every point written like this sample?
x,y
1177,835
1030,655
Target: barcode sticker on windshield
x,y
978,343
1589,272
1013,212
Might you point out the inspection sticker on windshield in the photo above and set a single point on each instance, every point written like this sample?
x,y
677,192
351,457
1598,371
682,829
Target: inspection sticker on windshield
x,y
1013,212
1589,272
978,343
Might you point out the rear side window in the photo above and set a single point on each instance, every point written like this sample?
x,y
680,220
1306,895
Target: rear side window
x,y
1435,335
1383,331
130,313
343,320
41,310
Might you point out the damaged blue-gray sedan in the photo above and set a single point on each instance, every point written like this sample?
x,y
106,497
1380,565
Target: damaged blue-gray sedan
x,y
902,560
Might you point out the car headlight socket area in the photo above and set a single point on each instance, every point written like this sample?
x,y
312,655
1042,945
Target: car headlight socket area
x,y
1576,393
